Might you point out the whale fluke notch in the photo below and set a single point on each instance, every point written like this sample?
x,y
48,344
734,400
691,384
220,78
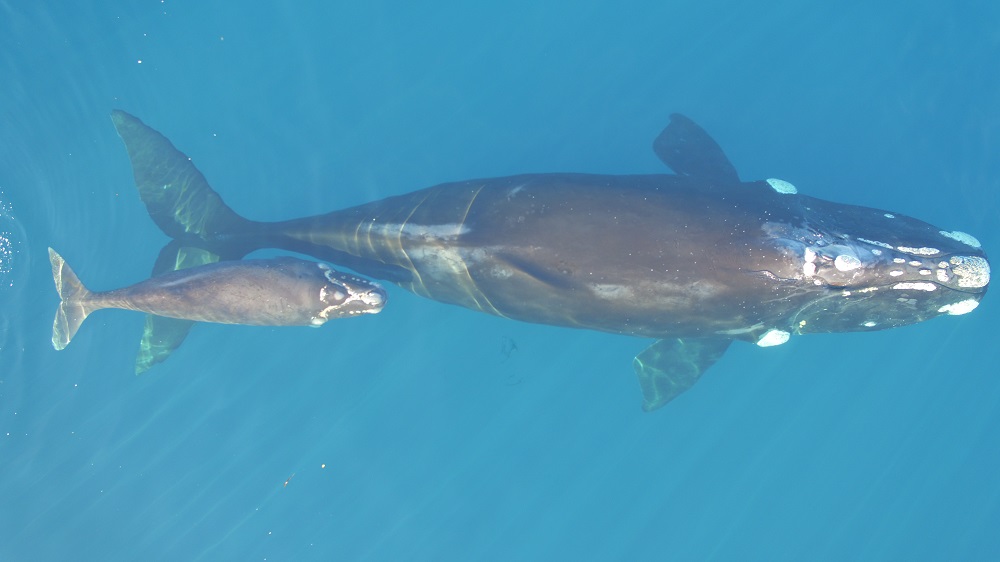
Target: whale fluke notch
x,y
670,366
690,151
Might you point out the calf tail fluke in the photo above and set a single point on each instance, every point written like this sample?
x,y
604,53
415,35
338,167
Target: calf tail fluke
x,y
74,305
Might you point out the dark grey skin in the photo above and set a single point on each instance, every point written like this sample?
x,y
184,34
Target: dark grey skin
x,y
696,260
272,292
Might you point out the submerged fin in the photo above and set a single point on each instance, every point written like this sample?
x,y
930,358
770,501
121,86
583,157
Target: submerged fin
x,y
160,335
175,193
73,306
689,151
669,367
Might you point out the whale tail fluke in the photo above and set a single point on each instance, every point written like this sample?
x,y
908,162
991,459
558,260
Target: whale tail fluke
x,y
177,195
75,303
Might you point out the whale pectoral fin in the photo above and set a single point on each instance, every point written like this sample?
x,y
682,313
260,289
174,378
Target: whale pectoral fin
x,y
689,151
161,336
669,367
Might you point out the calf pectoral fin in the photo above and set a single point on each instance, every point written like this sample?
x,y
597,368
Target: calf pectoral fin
x,y
671,366
161,336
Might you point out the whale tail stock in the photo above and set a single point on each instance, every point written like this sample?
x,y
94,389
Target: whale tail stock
x,y
75,302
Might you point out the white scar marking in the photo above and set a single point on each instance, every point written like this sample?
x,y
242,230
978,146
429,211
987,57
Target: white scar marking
x,y
876,243
426,232
613,292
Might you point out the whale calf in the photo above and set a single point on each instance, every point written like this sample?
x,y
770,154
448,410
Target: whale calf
x,y
695,260
270,292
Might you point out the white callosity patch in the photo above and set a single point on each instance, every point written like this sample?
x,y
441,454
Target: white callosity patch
x,y
919,251
369,294
967,239
961,307
809,267
916,286
782,186
846,262
973,271
773,337
870,324
889,215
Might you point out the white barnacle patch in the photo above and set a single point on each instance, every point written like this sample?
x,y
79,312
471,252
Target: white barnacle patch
x,y
845,262
919,251
889,215
773,337
916,286
960,307
870,324
782,186
973,271
967,239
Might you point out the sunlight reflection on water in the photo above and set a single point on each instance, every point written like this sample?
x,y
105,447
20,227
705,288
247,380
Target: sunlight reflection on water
x,y
11,243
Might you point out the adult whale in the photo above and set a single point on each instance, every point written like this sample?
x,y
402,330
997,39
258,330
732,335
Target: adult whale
x,y
696,260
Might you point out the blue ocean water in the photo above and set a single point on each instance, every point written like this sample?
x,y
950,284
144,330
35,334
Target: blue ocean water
x,y
414,435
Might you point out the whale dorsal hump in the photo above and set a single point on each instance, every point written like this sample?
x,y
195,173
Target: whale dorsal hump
x,y
689,151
